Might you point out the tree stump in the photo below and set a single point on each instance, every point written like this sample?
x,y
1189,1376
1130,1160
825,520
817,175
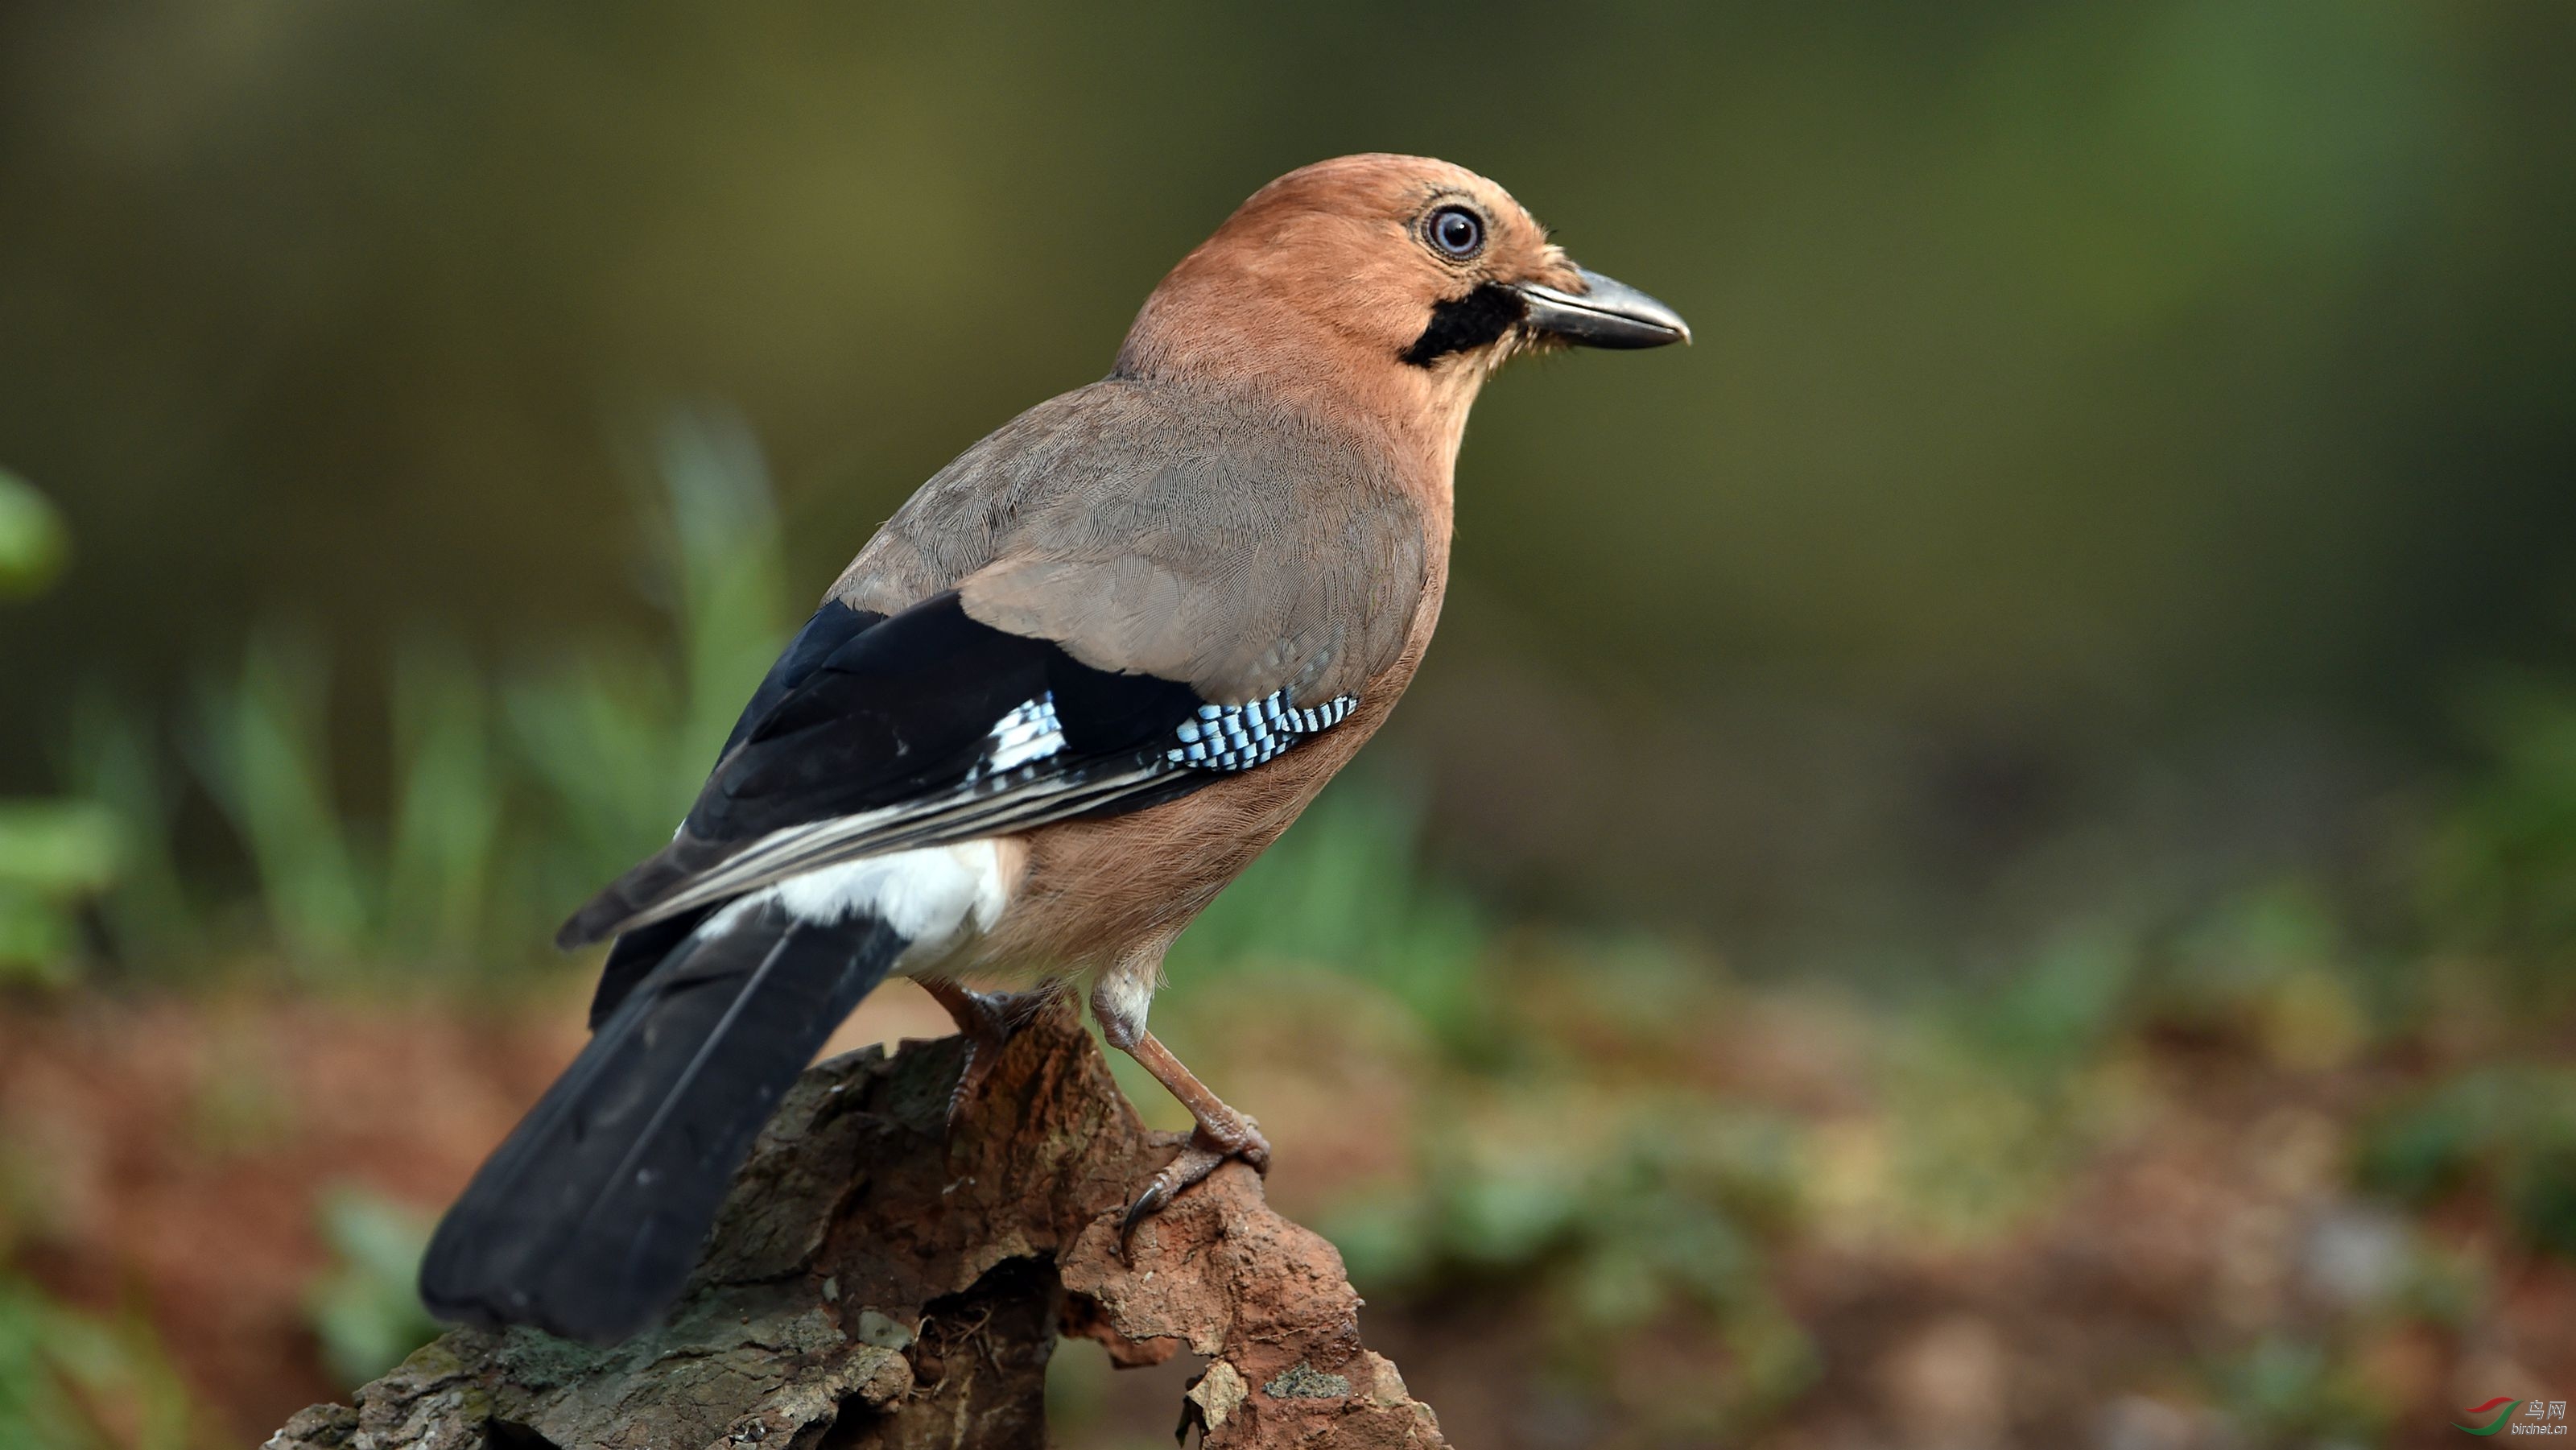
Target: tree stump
x,y
875,1280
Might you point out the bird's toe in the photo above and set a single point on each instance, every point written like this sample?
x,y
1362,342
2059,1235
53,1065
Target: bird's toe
x,y
1202,1155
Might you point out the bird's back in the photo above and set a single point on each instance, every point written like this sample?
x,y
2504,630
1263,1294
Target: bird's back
x,y
1219,539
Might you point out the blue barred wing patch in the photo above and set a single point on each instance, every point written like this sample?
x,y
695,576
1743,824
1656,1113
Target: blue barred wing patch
x,y
1239,737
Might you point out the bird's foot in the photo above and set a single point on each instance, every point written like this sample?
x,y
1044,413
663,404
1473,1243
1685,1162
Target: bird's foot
x,y
1220,1136
987,1020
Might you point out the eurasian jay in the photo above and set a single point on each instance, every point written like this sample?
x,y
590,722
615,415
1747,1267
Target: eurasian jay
x,y
1067,693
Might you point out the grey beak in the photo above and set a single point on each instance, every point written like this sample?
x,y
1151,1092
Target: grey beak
x,y
1606,313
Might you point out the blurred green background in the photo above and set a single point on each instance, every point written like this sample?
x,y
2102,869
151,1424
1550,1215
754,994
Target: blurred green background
x,y
2047,736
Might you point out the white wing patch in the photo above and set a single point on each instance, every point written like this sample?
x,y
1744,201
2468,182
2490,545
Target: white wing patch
x,y
1029,732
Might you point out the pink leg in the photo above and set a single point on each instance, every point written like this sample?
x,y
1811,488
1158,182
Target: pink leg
x,y
1222,1132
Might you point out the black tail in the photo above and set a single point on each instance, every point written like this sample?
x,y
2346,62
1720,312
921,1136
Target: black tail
x,y
587,1220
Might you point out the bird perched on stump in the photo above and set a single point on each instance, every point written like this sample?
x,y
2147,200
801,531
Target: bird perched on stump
x,y
1067,693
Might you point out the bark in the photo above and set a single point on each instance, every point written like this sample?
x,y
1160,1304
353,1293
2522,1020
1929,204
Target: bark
x,y
876,1280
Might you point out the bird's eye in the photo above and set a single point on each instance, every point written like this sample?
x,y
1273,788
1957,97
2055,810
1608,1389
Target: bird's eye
x,y
1457,231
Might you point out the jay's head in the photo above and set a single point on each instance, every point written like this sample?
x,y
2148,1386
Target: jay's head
x,y
1394,279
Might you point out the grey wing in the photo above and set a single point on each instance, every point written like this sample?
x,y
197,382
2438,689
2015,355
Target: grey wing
x,y
1240,552
1237,552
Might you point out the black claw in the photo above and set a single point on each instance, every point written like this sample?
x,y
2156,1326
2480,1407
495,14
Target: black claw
x,y
969,1082
1195,1161
1147,1204
988,1021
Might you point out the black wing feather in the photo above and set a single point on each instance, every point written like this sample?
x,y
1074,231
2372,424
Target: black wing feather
x,y
905,709
896,716
833,625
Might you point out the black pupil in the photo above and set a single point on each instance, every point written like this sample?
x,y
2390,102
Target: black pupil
x,y
1455,231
